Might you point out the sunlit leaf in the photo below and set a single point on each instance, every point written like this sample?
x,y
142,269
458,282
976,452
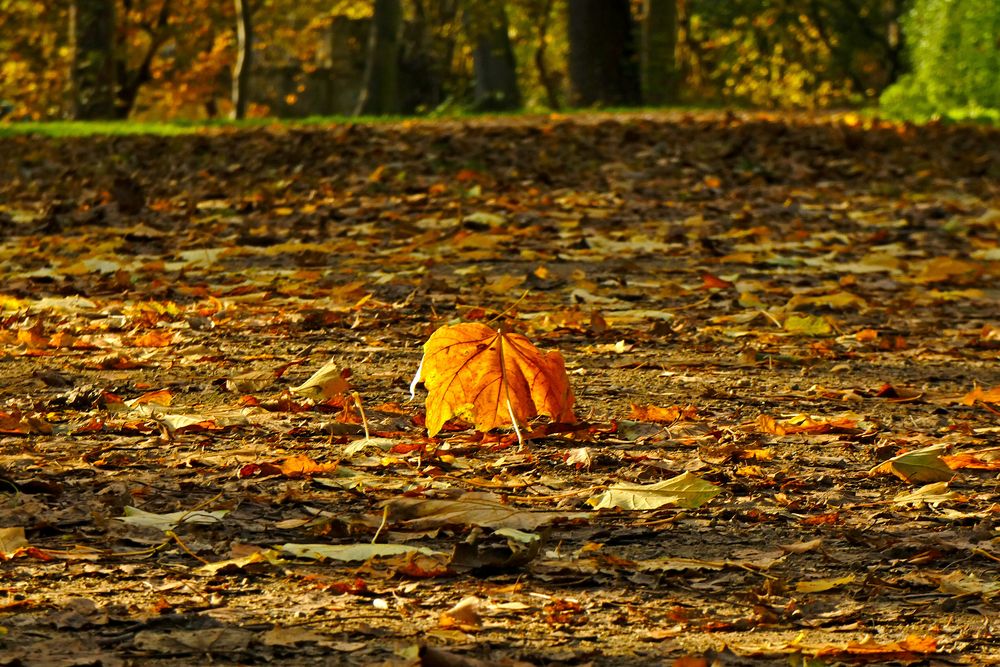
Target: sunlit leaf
x,y
807,325
302,466
263,556
921,466
820,585
351,552
491,379
137,517
668,415
977,394
464,615
685,490
472,509
930,494
12,539
329,381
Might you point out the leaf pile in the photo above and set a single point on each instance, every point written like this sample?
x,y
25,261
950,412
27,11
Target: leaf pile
x,y
760,419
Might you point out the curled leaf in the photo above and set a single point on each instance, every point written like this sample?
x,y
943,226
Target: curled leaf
x,y
920,466
686,490
327,382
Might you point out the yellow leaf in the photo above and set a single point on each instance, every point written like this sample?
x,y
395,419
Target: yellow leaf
x,y
685,490
941,269
504,284
653,413
921,466
837,300
329,381
807,325
491,379
820,585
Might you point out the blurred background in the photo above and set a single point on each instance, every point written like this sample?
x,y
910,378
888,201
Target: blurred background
x,y
152,60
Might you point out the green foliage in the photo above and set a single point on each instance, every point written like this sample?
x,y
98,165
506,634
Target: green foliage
x,y
954,46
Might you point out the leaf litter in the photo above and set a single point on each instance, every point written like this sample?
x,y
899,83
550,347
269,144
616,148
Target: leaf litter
x,y
797,313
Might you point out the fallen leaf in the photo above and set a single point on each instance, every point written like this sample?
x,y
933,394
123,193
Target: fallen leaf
x,y
981,460
261,556
213,641
807,325
464,615
685,490
137,517
351,552
959,583
329,381
153,339
802,547
280,636
931,494
471,509
302,466
918,466
652,413
12,539
820,585
159,397
710,281
491,379
977,394
837,301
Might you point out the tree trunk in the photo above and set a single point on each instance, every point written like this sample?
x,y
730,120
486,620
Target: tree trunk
x,y
92,76
544,75
131,80
493,58
602,63
244,59
658,61
380,91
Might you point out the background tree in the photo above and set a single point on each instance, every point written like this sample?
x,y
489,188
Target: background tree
x,y
380,91
954,46
658,61
602,59
493,57
176,59
94,66
244,58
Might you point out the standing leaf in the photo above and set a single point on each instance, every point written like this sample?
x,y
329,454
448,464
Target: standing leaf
x,y
325,383
491,379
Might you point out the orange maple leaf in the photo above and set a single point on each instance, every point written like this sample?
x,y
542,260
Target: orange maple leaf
x,y
491,379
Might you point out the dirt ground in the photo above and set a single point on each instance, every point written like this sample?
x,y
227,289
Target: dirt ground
x,y
777,305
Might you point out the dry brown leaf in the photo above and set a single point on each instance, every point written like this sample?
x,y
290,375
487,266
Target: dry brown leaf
x,y
491,379
654,413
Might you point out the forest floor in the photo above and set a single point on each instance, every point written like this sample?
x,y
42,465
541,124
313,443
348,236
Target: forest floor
x,y
800,312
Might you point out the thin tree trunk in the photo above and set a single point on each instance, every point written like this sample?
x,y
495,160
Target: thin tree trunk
x,y
130,82
544,75
244,59
93,70
380,92
658,60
